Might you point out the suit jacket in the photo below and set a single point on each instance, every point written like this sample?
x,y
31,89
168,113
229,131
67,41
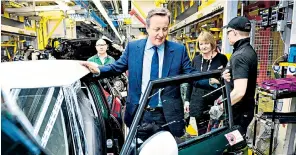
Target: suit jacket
x,y
176,62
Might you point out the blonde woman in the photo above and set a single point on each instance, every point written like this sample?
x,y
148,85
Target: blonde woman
x,y
208,59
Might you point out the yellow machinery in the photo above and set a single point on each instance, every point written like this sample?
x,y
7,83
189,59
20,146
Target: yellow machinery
x,y
139,9
13,4
42,29
205,4
38,26
207,25
159,2
191,47
190,44
11,45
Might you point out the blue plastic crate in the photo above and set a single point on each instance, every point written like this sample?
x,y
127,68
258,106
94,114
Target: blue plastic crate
x,y
292,54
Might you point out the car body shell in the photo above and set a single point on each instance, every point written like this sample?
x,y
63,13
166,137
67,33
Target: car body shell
x,y
61,92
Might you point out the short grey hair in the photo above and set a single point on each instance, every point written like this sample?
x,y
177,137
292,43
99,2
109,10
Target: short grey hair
x,y
99,40
242,33
157,12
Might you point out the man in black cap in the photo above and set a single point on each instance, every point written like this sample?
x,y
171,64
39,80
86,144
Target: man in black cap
x,y
243,70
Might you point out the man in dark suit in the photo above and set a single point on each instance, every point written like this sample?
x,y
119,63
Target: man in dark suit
x,y
150,59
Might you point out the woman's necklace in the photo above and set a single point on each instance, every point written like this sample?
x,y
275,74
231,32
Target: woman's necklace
x,y
202,61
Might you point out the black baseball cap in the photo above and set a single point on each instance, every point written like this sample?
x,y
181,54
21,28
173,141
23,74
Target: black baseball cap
x,y
239,23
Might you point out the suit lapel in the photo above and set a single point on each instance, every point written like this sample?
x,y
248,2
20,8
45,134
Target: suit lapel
x,y
167,60
139,60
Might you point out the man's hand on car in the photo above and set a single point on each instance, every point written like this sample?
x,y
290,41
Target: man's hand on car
x,y
93,67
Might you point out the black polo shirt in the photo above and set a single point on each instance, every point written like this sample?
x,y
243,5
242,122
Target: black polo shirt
x,y
243,64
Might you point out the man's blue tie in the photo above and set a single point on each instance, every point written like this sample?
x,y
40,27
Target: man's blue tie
x,y
153,76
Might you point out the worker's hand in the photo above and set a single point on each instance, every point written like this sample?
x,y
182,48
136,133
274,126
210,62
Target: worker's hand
x,y
219,102
186,107
93,67
226,75
214,81
216,112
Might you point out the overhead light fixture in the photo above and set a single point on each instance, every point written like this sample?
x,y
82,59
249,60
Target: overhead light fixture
x,y
95,22
77,17
71,12
87,22
62,5
98,27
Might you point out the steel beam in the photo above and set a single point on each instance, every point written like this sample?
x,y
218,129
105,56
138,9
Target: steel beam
x,y
124,4
176,11
15,30
102,10
293,27
286,34
54,28
116,6
182,6
38,0
289,143
191,3
229,12
40,34
14,4
41,8
134,13
139,9
51,14
44,31
26,14
197,16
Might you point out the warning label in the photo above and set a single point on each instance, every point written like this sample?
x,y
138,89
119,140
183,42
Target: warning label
x,y
234,137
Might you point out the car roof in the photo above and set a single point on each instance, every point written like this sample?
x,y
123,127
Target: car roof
x,y
41,73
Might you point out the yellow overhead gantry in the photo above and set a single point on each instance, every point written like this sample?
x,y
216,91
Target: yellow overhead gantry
x,y
209,17
11,43
39,25
191,51
42,28
139,9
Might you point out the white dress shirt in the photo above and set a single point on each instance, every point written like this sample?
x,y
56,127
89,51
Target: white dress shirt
x,y
148,54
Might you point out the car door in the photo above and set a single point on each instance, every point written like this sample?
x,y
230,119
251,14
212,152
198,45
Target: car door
x,y
213,141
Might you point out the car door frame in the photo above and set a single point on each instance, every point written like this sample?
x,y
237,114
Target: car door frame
x,y
156,84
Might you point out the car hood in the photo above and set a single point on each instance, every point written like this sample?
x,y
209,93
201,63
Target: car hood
x,y
41,73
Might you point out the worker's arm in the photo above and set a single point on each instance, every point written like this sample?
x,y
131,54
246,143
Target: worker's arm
x,y
239,90
240,74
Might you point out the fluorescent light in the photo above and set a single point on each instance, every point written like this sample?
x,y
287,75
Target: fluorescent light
x,y
124,4
87,22
71,12
62,5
